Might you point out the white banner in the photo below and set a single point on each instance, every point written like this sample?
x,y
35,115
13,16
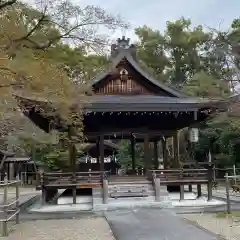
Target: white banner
x,y
194,132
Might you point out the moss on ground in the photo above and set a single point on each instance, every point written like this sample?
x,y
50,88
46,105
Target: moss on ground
x,y
227,215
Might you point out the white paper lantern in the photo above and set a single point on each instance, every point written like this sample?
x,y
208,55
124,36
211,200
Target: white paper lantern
x,y
194,135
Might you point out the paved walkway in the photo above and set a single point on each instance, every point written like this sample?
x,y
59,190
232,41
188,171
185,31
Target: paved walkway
x,y
154,224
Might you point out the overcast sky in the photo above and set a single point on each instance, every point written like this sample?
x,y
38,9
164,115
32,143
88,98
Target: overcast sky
x,y
155,13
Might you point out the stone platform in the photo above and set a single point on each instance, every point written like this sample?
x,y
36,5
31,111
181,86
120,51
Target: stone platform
x,y
86,203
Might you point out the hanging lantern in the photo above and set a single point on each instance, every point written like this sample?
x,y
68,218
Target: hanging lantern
x,y
193,135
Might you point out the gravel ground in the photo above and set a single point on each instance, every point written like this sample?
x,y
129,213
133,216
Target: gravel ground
x,y
228,228
95,228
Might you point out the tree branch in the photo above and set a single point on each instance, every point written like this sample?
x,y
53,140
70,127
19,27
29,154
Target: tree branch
x,y
5,4
34,28
10,85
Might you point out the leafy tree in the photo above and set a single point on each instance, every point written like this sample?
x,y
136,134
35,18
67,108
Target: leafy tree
x,y
151,51
203,64
30,73
204,85
125,156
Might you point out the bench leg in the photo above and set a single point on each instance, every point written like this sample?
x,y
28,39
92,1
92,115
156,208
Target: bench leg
x,y
199,191
157,189
181,192
209,186
74,192
105,191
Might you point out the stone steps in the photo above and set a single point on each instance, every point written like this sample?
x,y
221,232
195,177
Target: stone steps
x,y
123,192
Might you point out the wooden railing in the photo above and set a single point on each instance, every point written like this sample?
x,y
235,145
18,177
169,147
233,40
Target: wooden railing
x,y
10,209
180,176
90,177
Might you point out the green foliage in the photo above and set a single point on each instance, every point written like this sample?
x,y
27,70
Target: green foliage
x,y
44,59
205,85
204,64
56,160
125,156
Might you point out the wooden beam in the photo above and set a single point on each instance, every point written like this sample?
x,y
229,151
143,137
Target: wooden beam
x,y
127,132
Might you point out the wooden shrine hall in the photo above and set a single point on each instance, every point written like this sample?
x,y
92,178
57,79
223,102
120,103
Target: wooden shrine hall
x,y
127,103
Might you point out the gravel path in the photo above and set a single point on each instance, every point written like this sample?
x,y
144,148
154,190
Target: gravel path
x,y
95,228
229,228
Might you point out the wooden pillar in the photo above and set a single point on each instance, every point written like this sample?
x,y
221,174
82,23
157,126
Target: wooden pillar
x,y
42,183
181,187
105,191
199,191
157,189
210,179
164,152
11,171
147,159
101,148
133,142
175,150
181,192
155,154
98,151
44,193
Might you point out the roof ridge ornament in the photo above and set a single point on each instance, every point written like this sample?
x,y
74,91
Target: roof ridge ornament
x,y
123,45
123,42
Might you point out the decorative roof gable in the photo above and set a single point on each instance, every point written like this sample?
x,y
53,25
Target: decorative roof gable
x,y
123,51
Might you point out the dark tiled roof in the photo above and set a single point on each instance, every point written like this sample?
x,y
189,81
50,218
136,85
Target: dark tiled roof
x,y
145,103
109,144
6,153
17,159
142,99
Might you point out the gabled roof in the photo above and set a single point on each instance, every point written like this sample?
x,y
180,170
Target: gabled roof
x,y
124,53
